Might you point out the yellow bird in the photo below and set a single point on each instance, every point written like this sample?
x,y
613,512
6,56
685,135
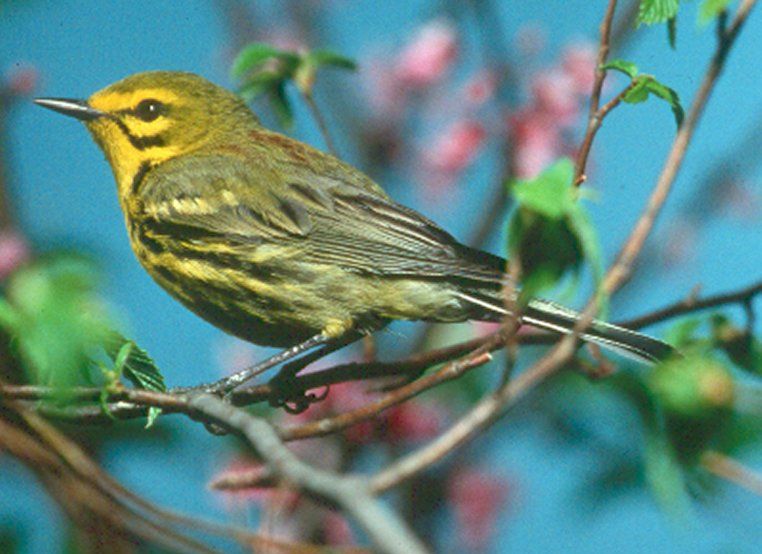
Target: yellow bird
x,y
278,243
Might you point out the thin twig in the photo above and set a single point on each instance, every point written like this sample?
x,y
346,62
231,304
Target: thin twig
x,y
595,117
692,304
321,123
731,470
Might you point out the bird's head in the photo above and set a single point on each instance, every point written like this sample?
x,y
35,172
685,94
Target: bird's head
x,y
154,116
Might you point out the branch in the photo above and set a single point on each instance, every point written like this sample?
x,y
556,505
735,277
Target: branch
x,y
320,120
596,115
81,485
727,468
492,407
352,494
133,403
692,304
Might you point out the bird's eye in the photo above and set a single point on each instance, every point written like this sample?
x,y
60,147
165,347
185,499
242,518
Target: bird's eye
x,y
149,110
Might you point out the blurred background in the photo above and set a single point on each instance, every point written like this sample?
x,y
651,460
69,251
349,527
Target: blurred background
x,y
449,100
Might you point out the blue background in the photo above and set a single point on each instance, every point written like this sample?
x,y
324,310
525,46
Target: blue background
x,y
64,194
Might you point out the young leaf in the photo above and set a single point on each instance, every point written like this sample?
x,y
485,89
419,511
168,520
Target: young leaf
x,y
664,473
137,366
657,11
549,231
549,194
710,9
670,96
56,317
643,85
281,105
332,59
257,53
638,91
623,66
672,32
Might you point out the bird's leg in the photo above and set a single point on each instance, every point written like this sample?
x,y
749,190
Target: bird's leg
x,y
227,384
297,402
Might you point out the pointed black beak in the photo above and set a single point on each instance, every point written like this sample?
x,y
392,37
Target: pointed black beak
x,y
67,106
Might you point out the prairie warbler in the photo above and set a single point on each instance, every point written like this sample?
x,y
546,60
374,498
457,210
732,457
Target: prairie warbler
x,y
278,243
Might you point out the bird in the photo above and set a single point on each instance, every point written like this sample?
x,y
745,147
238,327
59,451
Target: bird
x,y
281,244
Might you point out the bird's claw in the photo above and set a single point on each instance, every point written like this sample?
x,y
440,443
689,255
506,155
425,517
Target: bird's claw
x,y
294,402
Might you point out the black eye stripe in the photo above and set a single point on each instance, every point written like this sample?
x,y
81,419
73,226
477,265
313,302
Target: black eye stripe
x,y
139,142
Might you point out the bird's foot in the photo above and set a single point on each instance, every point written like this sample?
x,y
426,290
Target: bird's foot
x,y
285,395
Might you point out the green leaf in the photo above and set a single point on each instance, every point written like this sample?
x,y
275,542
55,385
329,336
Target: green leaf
x,y
260,83
549,231
694,386
549,194
657,11
710,9
742,347
585,231
638,92
137,366
683,333
672,32
257,53
664,474
670,96
56,318
332,59
623,66
281,105
644,85
9,317
547,248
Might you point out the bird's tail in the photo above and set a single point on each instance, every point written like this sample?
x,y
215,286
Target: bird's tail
x,y
488,306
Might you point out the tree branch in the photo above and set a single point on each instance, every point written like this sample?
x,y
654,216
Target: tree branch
x,y
352,494
596,115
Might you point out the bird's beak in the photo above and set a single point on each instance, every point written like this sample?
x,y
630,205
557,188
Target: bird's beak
x,y
67,106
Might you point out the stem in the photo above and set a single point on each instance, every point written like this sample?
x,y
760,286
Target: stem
x,y
320,120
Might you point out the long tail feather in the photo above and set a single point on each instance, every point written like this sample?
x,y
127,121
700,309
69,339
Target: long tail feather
x,y
554,317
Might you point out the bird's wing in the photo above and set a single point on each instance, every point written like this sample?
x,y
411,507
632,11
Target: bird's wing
x,y
320,216
371,234
216,198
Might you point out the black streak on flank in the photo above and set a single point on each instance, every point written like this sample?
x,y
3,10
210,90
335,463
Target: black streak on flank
x,y
137,180
141,143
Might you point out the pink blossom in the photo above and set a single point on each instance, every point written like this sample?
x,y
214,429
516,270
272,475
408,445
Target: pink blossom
x,y
555,95
386,94
413,422
530,39
537,141
480,88
476,498
337,530
680,244
738,198
245,468
578,64
232,354
456,148
426,59
14,251
23,80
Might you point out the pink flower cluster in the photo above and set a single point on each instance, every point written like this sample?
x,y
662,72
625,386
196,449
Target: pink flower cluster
x,y
427,57
539,130
476,497
14,251
411,80
405,423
